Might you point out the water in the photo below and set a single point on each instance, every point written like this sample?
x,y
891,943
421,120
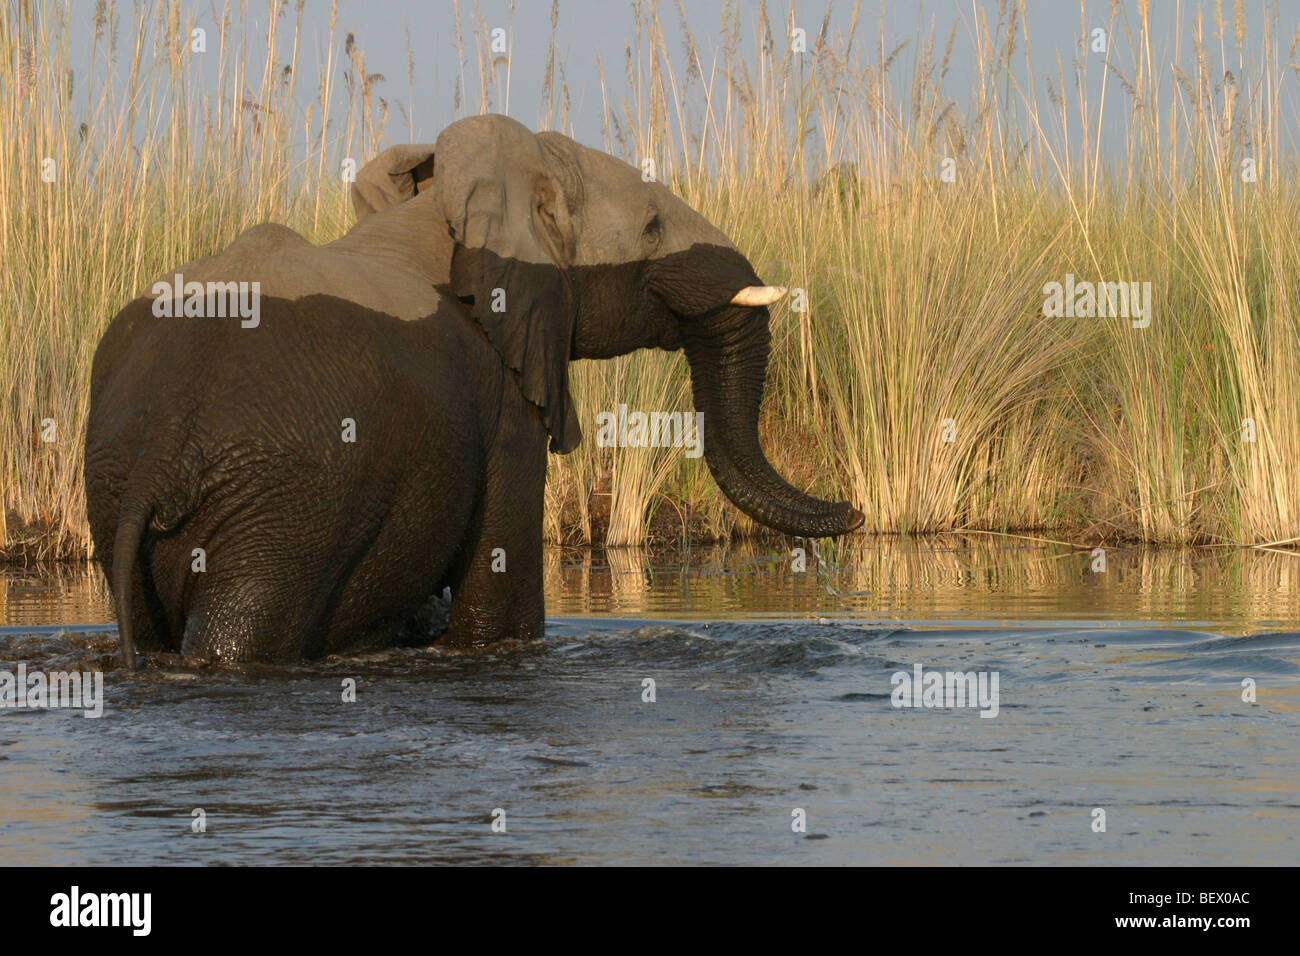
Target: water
x,y
1118,690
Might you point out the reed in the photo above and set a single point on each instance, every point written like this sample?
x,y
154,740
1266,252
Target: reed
x,y
918,376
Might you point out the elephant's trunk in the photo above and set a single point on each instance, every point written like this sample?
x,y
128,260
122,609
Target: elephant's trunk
x,y
728,352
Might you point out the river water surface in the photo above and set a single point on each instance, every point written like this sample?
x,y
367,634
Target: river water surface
x,y
772,736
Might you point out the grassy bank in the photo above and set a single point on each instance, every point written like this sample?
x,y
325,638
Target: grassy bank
x,y
920,216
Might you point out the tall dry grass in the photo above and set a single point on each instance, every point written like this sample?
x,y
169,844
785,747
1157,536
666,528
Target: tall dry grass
x,y
920,377
115,169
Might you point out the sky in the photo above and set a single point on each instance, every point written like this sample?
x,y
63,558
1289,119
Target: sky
x,y
588,31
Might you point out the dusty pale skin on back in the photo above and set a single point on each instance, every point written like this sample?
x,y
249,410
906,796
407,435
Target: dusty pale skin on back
x,y
441,327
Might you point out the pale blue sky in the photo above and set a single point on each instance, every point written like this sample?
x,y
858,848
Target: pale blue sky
x,y
587,28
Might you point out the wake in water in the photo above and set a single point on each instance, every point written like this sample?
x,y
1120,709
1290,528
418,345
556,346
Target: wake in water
x,y
902,721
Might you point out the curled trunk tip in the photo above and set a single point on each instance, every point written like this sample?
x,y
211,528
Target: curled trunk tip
x,y
728,358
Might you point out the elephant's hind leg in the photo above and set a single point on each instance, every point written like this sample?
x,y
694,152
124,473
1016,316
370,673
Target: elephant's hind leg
x,y
272,610
242,625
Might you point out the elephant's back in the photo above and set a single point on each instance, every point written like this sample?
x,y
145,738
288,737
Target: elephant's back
x,y
312,380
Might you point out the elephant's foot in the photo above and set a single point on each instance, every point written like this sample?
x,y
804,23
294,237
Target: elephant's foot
x,y
469,638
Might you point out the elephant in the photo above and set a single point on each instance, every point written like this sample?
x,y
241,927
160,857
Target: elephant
x,y
298,478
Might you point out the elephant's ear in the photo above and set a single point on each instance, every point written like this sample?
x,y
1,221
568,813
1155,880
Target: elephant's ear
x,y
514,233
397,174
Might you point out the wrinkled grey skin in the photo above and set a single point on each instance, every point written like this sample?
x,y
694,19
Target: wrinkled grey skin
x,y
207,435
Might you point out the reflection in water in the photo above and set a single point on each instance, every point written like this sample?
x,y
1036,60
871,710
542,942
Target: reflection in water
x,y
74,593
952,578
1120,690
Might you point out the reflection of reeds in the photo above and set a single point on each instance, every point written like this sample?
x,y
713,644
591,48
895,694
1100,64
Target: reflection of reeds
x,y
66,593
924,296
942,577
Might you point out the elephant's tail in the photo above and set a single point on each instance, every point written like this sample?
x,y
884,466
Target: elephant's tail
x,y
132,521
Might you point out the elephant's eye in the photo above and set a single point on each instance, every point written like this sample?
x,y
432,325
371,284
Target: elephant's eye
x,y
652,229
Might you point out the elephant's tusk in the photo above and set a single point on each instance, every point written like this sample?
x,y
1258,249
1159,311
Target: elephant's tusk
x,y
756,295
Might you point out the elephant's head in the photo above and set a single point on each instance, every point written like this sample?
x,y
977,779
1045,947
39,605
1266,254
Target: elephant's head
x,y
565,252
